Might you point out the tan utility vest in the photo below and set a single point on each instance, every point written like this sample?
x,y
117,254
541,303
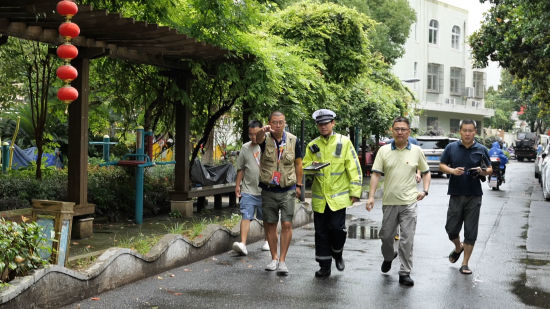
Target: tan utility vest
x,y
268,161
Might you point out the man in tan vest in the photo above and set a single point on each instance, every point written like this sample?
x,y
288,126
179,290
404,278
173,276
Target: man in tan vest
x,y
281,183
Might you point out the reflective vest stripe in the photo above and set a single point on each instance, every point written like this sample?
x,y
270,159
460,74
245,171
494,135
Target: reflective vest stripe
x,y
336,251
356,163
317,196
340,193
355,183
336,174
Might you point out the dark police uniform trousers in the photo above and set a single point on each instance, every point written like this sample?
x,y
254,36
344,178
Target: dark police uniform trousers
x,y
330,235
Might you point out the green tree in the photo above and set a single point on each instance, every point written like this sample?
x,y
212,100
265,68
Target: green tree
x,y
515,34
394,19
333,34
33,64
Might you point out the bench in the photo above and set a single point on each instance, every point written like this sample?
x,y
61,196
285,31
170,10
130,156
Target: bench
x,y
202,192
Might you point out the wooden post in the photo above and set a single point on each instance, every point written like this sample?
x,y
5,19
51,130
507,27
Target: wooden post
x,y
77,187
218,201
182,181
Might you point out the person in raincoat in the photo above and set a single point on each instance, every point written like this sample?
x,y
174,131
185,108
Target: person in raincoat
x,y
495,151
335,187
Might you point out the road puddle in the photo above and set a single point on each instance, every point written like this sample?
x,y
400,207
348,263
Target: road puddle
x,y
363,229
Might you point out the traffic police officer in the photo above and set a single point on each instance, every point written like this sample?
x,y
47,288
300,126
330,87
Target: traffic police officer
x,y
335,187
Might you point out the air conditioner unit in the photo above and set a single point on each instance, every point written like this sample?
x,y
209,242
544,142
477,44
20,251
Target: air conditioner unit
x,y
469,92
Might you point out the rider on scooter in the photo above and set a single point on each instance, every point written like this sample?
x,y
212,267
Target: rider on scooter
x,y
495,151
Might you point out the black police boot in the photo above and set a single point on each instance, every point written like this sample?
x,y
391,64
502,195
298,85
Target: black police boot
x,y
339,261
323,272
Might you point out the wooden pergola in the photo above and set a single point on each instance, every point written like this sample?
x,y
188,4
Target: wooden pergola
x,y
105,34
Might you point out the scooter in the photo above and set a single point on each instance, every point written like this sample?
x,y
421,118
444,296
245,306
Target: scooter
x,y
496,178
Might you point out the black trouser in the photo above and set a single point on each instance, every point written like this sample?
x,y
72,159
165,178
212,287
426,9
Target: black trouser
x,y
330,235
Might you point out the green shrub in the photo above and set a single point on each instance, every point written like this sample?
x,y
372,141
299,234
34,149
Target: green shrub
x,y
111,189
19,247
18,187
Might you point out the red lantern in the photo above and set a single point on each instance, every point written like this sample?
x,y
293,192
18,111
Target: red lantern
x,y
67,73
67,94
69,30
67,51
67,8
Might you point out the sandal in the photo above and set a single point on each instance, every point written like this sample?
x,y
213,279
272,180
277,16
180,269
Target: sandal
x,y
454,256
465,270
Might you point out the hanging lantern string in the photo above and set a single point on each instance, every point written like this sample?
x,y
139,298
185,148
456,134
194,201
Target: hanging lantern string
x,y
66,51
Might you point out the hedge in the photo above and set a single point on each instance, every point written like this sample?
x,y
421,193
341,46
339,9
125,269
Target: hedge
x,y
110,188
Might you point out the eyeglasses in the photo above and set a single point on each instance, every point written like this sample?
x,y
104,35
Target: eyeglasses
x,y
280,122
400,129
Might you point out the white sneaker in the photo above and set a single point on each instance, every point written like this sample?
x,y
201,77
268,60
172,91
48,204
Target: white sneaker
x,y
272,266
240,248
265,247
282,270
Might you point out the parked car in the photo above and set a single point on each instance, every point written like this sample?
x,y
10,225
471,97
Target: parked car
x,y
433,147
538,161
545,177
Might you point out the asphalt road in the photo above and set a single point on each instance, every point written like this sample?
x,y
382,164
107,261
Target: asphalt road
x,y
506,273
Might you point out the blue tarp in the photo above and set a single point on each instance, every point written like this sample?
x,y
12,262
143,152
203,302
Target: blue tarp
x,y
23,157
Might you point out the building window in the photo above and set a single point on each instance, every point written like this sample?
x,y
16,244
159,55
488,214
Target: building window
x,y
455,37
457,81
454,126
479,84
435,78
432,123
432,33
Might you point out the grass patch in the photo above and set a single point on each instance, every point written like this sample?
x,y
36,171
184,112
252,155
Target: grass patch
x,y
193,229
190,229
82,264
140,243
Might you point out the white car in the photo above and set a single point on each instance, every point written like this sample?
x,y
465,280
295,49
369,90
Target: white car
x,y
538,161
545,176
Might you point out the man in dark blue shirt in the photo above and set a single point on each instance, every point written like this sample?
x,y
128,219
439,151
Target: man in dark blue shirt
x,y
467,162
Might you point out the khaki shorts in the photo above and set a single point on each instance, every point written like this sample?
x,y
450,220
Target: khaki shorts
x,y
272,202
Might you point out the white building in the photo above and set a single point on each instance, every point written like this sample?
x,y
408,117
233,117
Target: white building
x,y
437,56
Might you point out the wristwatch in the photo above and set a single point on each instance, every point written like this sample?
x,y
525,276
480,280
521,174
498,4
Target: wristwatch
x,y
426,192
299,185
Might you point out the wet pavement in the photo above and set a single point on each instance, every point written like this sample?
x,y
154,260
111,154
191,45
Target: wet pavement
x,y
511,264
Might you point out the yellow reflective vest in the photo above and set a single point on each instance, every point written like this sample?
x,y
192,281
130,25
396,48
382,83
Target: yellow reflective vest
x,y
342,179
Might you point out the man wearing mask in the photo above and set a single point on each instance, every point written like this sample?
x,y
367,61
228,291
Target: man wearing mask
x,y
246,186
335,187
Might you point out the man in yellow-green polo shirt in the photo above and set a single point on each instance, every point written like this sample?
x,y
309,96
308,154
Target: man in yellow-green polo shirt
x,y
399,162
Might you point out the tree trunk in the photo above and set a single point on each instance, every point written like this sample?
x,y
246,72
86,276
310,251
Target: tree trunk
x,y
210,124
209,149
40,151
352,135
246,120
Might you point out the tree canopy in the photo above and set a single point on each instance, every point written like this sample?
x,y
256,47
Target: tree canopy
x,y
515,34
293,56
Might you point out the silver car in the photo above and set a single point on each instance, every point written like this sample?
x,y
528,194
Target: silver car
x,y
433,147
